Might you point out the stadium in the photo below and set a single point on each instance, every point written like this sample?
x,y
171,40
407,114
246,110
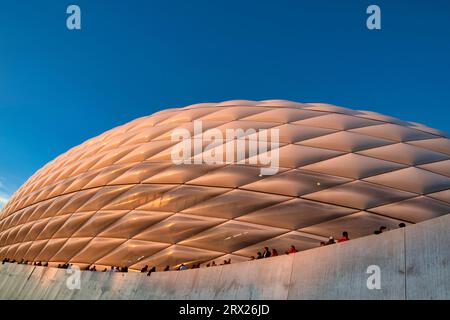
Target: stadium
x,y
119,200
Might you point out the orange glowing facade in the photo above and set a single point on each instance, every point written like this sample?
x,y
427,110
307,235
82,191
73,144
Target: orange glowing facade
x,y
118,199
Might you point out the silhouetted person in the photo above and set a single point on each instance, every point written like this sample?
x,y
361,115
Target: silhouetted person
x,y
213,264
259,255
183,267
167,268
274,253
402,225
292,250
322,243
266,252
144,269
330,241
153,269
344,237
383,229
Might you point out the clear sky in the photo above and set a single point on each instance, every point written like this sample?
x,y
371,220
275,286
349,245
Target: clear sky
x,y
131,58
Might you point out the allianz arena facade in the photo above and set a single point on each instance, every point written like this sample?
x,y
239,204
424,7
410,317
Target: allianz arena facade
x,y
118,199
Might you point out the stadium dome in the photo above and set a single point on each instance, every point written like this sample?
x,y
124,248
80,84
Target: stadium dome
x,y
119,199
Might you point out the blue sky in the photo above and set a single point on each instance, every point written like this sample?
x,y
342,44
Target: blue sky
x,y
132,58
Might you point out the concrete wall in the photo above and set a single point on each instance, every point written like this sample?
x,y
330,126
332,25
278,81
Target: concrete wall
x,y
413,262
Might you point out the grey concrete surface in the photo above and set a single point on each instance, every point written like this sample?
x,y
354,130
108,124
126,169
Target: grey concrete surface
x,y
342,271
428,259
413,264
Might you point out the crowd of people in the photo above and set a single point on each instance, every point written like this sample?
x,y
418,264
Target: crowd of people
x,y
182,266
331,239
266,253
23,261
111,269
213,264
94,268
